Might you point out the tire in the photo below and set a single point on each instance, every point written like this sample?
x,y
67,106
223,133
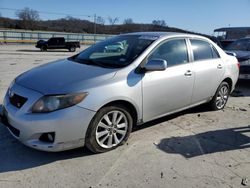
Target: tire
x,y
220,98
43,48
103,134
72,49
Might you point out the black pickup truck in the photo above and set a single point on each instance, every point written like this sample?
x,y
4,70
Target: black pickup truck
x,y
57,43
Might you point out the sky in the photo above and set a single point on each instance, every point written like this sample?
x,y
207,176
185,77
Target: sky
x,y
194,15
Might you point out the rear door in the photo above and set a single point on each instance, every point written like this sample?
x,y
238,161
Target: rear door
x,y
61,43
208,69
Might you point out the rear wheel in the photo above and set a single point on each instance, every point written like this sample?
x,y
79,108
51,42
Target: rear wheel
x,y
221,96
109,129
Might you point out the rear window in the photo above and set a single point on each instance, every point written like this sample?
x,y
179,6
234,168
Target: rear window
x,y
241,44
203,50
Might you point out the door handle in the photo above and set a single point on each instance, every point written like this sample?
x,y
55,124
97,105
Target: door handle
x,y
219,66
188,73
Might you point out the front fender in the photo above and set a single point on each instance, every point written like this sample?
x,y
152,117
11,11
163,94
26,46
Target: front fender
x,y
120,90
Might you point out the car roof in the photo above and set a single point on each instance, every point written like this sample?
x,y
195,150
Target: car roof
x,y
163,34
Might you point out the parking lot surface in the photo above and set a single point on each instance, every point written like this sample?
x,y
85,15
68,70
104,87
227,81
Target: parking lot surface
x,y
194,148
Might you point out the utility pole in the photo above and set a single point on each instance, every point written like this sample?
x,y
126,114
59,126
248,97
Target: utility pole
x,y
94,28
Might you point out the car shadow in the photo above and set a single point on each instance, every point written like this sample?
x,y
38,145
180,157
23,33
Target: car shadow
x,y
15,156
207,142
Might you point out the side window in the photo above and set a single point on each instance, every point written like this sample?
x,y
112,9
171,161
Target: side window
x,y
173,51
60,41
202,50
52,41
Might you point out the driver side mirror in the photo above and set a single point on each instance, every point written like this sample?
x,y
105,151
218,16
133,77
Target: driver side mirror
x,y
155,65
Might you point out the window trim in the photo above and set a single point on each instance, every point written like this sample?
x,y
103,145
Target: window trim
x,y
216,51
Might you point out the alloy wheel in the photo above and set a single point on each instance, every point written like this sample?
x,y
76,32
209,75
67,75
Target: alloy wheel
x,y
111,129
222,97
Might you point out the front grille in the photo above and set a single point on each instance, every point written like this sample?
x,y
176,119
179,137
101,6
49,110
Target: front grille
x,y
17,100
244,69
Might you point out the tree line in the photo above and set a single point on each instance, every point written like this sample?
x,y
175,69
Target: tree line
x,y
29,19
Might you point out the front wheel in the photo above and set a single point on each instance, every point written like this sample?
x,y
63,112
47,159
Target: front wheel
x,y
220,98
119,50
109,129
43,48
72,49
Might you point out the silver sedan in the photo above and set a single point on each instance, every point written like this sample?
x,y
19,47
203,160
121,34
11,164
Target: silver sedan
x,y
95,97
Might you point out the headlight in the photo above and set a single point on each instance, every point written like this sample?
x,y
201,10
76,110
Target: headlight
x,y
52,103
247,62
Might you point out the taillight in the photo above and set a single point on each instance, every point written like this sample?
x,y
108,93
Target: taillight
x,y
238,64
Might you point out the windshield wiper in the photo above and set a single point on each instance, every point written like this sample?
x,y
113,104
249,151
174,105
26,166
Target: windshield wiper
x,y
96,63
115,65
88,62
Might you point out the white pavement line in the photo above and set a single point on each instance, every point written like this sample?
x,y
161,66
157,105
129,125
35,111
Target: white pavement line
x,y
199,145
18,181
115,164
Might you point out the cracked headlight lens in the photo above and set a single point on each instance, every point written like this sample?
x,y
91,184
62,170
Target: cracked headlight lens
x,y
51,103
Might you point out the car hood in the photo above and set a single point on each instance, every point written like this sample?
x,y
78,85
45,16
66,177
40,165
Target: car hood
x,y
41,42
64,76
241,55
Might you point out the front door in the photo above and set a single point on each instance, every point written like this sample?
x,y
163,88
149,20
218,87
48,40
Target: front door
x,y
171,89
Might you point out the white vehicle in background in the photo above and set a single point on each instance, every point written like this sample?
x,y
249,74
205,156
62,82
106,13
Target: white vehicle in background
x,y
117,47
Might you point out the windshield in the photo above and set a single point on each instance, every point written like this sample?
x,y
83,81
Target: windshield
x,y
241,44
115,52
